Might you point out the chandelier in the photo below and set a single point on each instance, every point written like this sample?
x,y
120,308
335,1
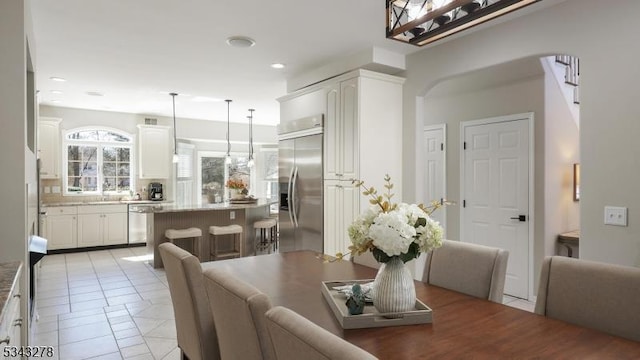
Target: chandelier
x,y
421,22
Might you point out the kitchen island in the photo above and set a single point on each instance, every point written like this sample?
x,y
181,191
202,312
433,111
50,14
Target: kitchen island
x,y
175,216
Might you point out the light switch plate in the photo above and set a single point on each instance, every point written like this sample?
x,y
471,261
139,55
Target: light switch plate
x,y
615,215
232,215
55,189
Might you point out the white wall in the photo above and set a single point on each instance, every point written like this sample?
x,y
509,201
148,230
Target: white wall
x,y
17,161
610,154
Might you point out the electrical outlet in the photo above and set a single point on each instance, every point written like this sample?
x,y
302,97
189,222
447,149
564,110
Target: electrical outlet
x,y
47,190
232,215
615,215
55,189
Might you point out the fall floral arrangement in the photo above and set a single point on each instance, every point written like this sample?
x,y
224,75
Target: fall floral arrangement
x,y
236,184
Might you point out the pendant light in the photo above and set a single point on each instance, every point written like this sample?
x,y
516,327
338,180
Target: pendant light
x,y
227,160
175,139
250,163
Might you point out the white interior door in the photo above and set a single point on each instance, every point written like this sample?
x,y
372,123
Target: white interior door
x,y
495,192
434,169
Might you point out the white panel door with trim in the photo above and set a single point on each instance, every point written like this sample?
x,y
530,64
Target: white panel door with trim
x,y
495,190
434,169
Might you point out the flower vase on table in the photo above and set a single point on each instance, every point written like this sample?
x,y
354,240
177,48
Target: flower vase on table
x,y
395,234
235,194
237,189
393,289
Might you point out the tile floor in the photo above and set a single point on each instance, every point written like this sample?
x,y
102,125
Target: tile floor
x,y
111,304
107,304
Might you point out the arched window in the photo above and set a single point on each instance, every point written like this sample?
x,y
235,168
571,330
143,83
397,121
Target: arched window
x,y
98,160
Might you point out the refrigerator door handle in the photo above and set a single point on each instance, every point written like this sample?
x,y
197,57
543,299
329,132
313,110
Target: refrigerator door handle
x,y
293,197
289,196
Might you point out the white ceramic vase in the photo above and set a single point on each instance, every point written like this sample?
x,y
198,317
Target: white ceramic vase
x,y
235,194
393,288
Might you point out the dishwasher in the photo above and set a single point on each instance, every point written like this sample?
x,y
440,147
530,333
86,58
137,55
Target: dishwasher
x,y
138,223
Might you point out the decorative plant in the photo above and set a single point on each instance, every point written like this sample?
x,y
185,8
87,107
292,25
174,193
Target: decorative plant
x,y
392,230
236,184
356,302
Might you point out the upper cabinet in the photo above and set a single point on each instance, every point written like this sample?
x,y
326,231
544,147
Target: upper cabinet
x,y
154,151
49,151
362,127
341,131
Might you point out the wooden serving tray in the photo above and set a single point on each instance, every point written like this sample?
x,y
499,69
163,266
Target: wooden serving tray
x,y
246,200
370,317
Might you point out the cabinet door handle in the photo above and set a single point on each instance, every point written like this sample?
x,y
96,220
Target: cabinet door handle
x,y
18,322
5,340
16,296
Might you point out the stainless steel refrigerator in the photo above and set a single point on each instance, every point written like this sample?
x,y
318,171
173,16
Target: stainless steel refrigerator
x,y
300,181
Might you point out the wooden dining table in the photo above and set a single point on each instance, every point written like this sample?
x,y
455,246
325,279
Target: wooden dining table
x,y
462,326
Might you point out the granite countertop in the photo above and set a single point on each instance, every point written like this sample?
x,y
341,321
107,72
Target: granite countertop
x,y
8,272
208,207
108,202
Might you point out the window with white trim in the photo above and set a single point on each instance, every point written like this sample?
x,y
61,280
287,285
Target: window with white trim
x,y
98,160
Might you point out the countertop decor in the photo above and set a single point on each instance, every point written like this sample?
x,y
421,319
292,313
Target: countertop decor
x,y
395,234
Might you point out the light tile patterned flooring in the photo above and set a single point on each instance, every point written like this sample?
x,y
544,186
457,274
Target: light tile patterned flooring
x,y
111,304
107,304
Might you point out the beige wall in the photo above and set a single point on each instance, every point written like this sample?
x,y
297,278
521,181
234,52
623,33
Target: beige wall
x,y
522,96
561,151
609,129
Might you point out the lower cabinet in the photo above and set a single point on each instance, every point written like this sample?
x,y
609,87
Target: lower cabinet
x,y
102,225
341,207
86,226
60,226
11,324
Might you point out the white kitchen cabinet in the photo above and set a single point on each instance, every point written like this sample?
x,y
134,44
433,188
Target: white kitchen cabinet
x,y
154,149
341,207
341,131
11,320
100,225
48,147
60,227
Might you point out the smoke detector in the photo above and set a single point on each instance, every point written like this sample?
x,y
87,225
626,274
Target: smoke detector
x,y
240,41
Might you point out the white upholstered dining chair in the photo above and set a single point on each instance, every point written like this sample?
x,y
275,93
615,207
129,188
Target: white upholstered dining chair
x,y
471,269
239,314
596,295
196,331
294,337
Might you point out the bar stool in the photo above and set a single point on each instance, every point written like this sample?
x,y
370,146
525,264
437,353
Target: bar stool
x,y
191,233
236,231
262,242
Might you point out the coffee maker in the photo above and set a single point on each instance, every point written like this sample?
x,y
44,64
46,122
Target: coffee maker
x,y
155,191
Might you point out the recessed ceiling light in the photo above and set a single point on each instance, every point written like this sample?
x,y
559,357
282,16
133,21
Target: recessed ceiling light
x,y
94,93
56,101
240,41
58,79
277,66
57,92
205,99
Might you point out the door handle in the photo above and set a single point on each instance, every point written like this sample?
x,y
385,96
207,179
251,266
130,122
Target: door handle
x,y
293,197
519,218
289,196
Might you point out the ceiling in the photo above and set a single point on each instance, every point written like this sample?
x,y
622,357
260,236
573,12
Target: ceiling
x,y
135,52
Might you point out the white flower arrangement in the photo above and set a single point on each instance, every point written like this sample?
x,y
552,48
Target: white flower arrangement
x,y
389,230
